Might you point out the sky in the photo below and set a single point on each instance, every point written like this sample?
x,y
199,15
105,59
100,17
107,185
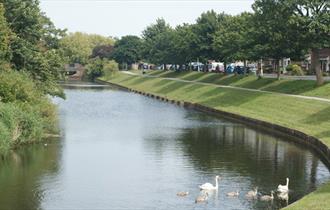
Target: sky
x,y
118,18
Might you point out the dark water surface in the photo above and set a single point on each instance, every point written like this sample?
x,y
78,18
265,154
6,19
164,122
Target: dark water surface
x,y
124,151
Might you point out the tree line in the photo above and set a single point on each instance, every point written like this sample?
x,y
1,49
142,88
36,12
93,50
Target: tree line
x,y
276,29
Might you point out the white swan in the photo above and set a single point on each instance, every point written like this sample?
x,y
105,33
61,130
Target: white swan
x,y
209,186
284,188
283,196
267,197
252,194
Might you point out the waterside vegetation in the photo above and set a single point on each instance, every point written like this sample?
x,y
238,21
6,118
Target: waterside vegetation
x,y
30,64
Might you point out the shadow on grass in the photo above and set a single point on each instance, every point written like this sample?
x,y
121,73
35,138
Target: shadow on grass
x,y
319,117
126,79
138,80
191,76
255,83
171,86
228,98
293,86
154,72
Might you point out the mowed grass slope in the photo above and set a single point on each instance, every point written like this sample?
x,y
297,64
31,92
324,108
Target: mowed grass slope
x,y
309,116
298,87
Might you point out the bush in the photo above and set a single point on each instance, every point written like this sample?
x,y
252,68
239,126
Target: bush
x,y
17,86
26,115
110,68
94,68
295,70
19,126
101,67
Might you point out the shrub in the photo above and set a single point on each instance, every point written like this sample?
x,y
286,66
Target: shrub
x,y
295,69
289,68
19,125
26,114
110,68
94,68
17,86
101,67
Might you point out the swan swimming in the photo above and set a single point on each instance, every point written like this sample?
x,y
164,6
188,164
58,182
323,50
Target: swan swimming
x,y
283,188
182,194
209,186
252,194
267,197
233,194
202,198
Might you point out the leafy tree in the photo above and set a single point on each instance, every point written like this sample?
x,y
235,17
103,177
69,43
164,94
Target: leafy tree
x,y
110,67
102,51
128,50
33,42
4,37
157,42
276,37
98,67
232,40
78,47
183,46
204,29
312,17
94,68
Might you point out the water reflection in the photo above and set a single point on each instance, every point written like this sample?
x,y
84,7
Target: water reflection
x,y
124,151
23,173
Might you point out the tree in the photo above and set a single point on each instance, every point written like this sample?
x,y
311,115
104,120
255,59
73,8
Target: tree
x,y
276,37
204,29
156,42
78,47
313,19
98,67
128,50
4,37
33,43
183,45
102,51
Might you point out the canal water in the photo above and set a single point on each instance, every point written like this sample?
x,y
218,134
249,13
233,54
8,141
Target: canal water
x,y
121,150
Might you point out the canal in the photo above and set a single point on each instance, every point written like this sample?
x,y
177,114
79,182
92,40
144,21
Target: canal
x,y
120,150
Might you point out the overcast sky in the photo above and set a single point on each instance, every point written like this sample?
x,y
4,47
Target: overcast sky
x,y
119,18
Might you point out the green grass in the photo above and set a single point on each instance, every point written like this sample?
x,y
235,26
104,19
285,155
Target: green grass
x,y
298,87
309,116
318,200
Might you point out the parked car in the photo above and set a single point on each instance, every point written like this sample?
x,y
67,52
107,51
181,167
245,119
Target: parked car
x,y
230,68
239,70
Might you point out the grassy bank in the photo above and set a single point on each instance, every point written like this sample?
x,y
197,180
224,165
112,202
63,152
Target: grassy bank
x,y
317,200
309,116
298,87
